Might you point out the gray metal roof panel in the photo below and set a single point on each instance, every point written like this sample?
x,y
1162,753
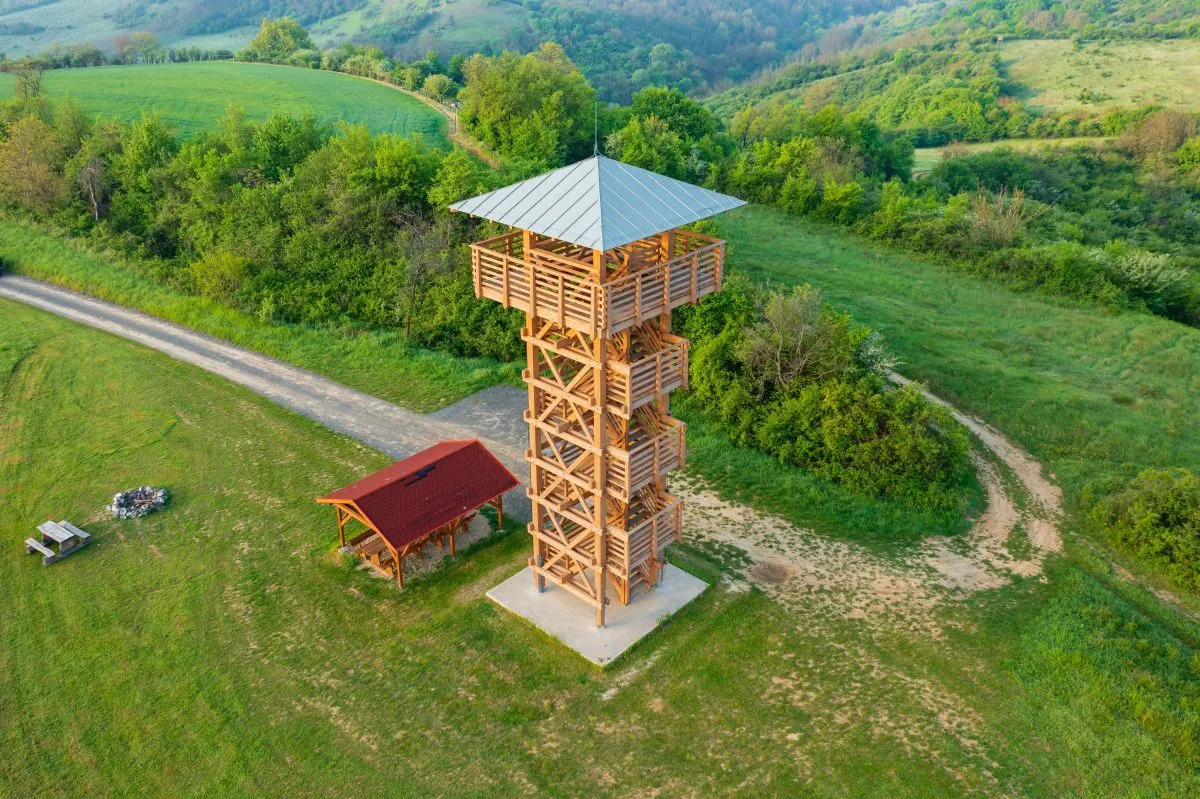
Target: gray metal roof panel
x,y
598,203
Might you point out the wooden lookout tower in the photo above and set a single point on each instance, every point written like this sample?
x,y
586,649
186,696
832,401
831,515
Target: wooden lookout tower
x,y
597,262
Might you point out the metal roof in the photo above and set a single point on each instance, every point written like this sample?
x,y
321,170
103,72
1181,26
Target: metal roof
x,y
598,203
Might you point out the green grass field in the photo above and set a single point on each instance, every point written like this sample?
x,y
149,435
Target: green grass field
x,y
1055,76
1092,393
926,158
194,97
221,647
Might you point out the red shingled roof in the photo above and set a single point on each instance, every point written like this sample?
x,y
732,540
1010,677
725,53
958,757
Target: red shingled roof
x,y
416,496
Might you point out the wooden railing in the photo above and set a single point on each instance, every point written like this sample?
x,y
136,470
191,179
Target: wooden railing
x,y
556,288
631,385
629,470
628,549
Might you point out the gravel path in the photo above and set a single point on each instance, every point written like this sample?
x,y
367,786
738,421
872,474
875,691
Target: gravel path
x,y
493,416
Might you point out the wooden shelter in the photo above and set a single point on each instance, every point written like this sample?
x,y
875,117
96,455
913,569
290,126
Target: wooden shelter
x,y
427,498
597,263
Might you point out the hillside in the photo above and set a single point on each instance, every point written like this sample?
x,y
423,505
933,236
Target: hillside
x,y
620,45
1055,74
193,97
979,91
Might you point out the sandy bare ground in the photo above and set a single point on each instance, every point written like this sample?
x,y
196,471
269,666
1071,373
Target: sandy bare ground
x,y
802,568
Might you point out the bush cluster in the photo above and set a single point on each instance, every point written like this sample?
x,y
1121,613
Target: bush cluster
x,y
1157,517
287,219
785,374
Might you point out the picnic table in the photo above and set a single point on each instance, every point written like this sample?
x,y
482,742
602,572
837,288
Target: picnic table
x,y
64,535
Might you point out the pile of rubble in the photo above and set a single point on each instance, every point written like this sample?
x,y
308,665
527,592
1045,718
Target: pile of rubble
x,y
138,502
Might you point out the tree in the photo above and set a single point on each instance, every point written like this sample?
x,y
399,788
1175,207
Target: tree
x,y
1188,158
650,144
124,49
427,255
506,97
796,339
28,74
29,161
146,47
89,169
1161,134
458,177
438,87
681,113
276,41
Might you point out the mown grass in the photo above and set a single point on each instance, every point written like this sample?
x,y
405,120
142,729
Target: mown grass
x,y
381,363
195,97
1093,394
1053,74
221,647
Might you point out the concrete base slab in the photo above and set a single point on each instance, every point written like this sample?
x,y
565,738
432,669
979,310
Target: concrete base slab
x,y
572,621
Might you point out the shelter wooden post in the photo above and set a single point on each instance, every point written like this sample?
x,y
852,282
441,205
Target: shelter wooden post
x,y
341,522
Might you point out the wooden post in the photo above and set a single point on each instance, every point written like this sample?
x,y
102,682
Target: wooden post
x,y
341,519
537,521
500,512
600,435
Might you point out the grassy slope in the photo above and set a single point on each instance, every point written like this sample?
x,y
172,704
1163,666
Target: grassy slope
x,y
1089,392
459,26
926,158
194,97
1052,73
379,363
221,647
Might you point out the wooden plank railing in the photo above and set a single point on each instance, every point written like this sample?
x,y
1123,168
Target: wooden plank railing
x,y
632,385
629,548
557,288
629,470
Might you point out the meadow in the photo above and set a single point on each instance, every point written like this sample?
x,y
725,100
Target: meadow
x,y
222,647
194,97
926,158
1054,74
1094,394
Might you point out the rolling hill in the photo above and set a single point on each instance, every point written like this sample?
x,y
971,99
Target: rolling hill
x,y
193,97
620,44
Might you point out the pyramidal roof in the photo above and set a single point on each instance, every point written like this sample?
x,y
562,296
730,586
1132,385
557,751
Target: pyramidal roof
x,y
598,203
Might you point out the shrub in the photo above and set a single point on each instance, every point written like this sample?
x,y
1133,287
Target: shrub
x,y
220,275
999,219
1154,278
438,87
788,376
1157,516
